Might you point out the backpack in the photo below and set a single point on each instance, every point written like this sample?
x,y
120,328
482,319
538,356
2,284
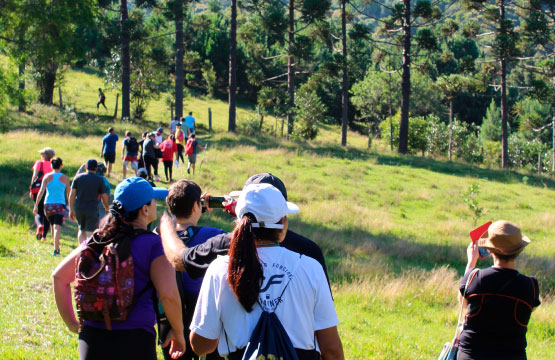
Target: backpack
x,y
269,340
189,147
180,136
104,279
35,187
132,145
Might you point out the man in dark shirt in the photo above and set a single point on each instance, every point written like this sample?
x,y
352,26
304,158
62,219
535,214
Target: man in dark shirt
x,y
83,200
149,156
195,261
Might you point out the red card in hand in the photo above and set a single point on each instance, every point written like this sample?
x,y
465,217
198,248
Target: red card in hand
x,y
476,233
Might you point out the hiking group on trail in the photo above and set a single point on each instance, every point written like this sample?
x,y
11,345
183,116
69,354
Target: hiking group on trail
x,y
261,291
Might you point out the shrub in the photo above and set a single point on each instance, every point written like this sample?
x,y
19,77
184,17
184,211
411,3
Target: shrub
x,y
309,111
523,153
418,132
491,124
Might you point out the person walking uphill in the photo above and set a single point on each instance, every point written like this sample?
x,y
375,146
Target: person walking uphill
x,y
180,141
149,156
41,168
56,186
500,300
83,200
258,275
129,153
109,149
134,337
191,151
190,123
101,99
169,148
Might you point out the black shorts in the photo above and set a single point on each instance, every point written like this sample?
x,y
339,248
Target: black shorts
x,y
116,344
87,220
110,158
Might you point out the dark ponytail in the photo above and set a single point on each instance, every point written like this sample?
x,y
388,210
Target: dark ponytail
x,y
244,273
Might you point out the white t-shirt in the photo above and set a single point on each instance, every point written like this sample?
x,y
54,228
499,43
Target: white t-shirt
x,y
306,305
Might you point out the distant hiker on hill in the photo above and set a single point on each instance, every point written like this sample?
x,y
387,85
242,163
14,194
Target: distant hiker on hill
x,y
158,135
149,156
101,171
101,99
41,168
56,187
83,199
169,148
109,149
190,123
191,151
129,152
141,147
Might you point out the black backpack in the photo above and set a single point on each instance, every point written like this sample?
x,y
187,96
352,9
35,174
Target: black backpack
x,y
132,145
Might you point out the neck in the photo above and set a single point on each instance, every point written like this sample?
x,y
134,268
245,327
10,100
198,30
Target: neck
x,y
266,243
504,264
139,223
184,223
57,170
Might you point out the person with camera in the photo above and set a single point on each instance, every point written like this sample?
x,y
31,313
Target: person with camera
x,y
499,299
184,202
257,275
196,262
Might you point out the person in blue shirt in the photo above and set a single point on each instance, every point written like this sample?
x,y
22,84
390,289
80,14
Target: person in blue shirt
x,y
184,202
108,150
190,122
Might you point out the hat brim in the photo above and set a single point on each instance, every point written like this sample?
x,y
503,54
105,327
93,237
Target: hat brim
x,y
292,208
159,193
484,242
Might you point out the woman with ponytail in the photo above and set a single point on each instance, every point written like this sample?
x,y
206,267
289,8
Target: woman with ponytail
x,y
257,275
133,208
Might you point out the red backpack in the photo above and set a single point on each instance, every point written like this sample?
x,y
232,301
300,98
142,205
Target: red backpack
x,y
189,146
104,280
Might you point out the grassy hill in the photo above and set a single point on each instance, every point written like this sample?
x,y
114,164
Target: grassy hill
x,y
393,229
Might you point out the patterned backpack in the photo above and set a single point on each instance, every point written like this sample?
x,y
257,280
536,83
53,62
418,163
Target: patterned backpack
x,y
104,279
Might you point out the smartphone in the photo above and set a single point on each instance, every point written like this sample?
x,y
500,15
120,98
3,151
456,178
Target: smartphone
x,y
475,235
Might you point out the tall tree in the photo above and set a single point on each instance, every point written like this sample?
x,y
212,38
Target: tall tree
x,y
179,54
232,67
344,83
46,35
125,62
503,50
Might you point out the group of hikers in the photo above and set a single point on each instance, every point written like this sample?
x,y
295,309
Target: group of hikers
x,y
233,295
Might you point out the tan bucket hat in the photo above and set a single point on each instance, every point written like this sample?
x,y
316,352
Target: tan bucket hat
x,y
48,152
504,238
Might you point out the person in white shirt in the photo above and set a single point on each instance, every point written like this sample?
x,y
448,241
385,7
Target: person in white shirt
x,y
237,287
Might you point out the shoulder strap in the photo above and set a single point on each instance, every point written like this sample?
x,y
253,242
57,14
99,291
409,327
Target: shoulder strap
x,y
468,281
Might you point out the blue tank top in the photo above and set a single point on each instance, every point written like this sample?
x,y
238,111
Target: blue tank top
x,y
55,190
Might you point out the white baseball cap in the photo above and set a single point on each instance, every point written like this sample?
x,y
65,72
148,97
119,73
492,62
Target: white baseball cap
x,y
266,203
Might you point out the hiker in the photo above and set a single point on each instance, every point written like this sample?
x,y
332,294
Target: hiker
x,y
129,152
180,141
500,300
184,202
184,259
190,123
158,135
133,208
141,142
56,186
101,99
108,150
149,156
169,148
100,171
83,199
41,168
258,275
191,151
173,125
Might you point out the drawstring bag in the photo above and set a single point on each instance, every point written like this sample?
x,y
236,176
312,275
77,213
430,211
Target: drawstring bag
x,y
450,349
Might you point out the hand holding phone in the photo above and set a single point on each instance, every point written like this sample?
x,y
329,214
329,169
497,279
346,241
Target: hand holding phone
x,y
476,234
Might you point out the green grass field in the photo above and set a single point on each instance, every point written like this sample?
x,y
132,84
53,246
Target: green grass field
x,y
393,229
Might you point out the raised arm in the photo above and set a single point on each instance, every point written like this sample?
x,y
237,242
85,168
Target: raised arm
x,y
173,246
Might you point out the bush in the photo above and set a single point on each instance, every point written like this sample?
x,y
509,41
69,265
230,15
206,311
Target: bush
x,y
491,153
309,111
418,131
523,153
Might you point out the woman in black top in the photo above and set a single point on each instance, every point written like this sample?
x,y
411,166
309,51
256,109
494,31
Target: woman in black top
x,y
499,299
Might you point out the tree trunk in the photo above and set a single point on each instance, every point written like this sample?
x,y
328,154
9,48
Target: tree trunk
x,y
21,100
553,128
504,128
291,69
390,114
45,83
233,68
179,53
125,63
345,94
450,129
405,84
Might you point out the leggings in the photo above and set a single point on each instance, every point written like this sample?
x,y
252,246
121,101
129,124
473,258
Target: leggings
x,y
151,162
180,149
101,344
168,167
42,217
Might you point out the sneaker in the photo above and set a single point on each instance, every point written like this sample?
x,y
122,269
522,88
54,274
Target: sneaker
x,y
40,230
188,170
56,252
157,179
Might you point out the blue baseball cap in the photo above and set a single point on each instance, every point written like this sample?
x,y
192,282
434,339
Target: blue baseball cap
x,y
135,192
